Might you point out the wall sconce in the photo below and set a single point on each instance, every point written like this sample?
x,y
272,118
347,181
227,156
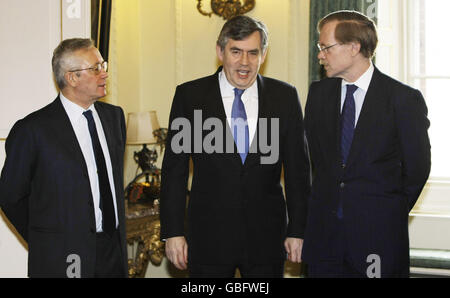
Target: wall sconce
x,y
227,8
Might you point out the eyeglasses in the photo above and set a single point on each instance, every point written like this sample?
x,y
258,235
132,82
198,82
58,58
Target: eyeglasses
x,y
325,49
97,69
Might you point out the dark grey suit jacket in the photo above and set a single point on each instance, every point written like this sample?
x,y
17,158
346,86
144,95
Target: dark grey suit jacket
x,y
45,190
228,196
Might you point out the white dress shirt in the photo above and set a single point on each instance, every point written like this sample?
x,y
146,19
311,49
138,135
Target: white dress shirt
x,y
249,98
81,129
363,85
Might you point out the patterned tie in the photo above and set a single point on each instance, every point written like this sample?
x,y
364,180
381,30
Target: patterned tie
x,y
348,122
239,124
106,198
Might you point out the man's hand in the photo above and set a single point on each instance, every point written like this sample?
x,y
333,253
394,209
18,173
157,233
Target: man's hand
x,y
177,251
294,247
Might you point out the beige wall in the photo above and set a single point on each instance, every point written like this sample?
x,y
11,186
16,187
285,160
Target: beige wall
x,y
156,45
29,31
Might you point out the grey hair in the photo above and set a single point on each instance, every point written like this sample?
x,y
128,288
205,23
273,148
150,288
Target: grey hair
x,y
62,57
239,28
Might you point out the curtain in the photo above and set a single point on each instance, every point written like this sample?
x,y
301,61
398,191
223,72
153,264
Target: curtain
x,y
319,9
100,25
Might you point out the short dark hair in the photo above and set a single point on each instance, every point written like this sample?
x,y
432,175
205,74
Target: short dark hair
x,y
239,28
61,57
353,26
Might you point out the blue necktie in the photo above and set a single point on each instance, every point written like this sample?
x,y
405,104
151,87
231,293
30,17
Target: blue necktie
x,y
106,198
239,124
348,129
348,122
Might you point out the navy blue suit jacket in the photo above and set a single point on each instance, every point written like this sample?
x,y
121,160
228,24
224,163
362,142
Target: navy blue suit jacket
x,y
387,167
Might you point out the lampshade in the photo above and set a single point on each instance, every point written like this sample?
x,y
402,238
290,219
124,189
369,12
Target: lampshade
x,y
140,127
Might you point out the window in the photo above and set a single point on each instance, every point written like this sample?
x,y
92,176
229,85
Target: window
x,y
428,70
413,41
413,46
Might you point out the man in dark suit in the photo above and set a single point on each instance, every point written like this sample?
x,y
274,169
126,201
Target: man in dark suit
x,y
62,181
370,155
237,216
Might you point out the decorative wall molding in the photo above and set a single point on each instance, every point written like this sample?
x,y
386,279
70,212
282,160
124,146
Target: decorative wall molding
x,y
226,9
298,46
294,41
434,200
112,79
178,42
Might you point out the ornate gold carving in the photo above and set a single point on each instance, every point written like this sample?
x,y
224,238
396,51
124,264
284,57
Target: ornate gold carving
x,y
227,8
143,228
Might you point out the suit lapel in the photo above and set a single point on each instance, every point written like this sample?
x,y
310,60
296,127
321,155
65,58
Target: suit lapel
x,y
65,134
263,98
336,109
367,118
107,119
107,130
330,121
214,103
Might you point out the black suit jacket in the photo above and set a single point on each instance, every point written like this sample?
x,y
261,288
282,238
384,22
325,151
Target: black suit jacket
x,y
45,190
387,167
224,191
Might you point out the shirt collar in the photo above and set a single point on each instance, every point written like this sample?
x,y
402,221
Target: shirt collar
x,y
364,81
227,90
73,110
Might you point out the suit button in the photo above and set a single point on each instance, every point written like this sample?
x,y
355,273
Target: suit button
x,y
93,231
342,185
344,165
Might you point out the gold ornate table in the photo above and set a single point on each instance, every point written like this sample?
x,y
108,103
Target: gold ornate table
x,y
143,230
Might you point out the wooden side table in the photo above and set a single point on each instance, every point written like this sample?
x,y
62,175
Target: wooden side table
x,y
143,227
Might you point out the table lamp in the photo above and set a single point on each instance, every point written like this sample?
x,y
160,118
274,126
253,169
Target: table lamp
x,y
143,129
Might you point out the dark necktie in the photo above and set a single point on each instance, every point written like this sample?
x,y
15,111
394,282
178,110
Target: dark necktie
x,y
106,198
348,122
348,129
240,126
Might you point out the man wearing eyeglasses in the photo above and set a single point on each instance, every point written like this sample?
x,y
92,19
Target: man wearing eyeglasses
x,y
370,154
62,182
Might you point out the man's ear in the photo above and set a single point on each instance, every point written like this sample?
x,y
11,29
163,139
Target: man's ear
x,y
71,78
263,57
219,53
356,48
